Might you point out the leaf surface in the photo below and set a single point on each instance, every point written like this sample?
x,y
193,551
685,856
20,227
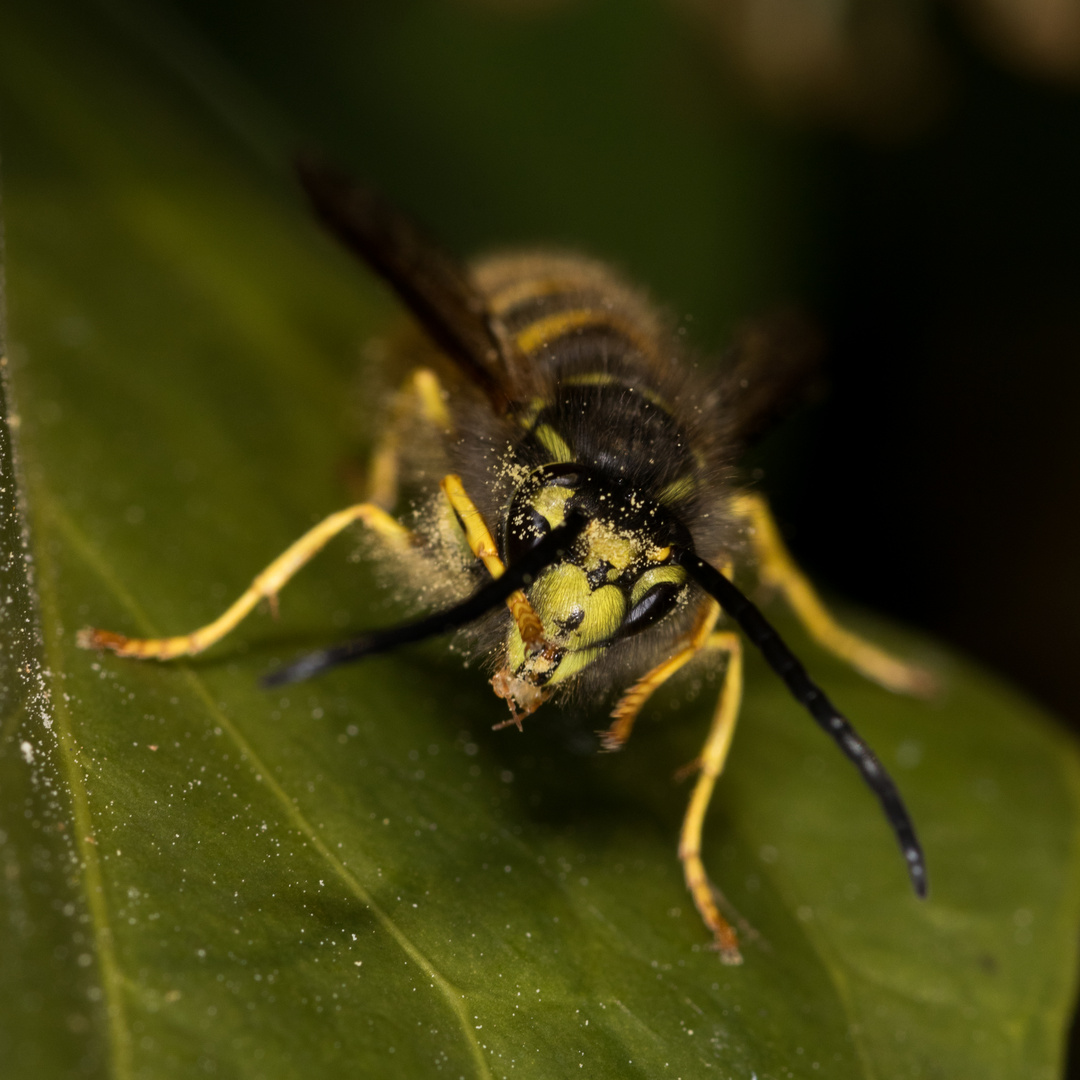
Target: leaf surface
x,y
356,876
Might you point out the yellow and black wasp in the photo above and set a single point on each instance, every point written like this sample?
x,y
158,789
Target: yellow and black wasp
x,y
587,511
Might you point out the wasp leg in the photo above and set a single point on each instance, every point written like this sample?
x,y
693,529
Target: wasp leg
x,y
483,547
778,569
422,394
709,765
633,700
265,586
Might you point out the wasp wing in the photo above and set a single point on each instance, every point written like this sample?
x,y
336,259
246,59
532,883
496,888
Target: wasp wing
x,y
435,287
772,367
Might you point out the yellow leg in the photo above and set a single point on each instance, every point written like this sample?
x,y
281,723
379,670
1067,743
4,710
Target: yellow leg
x,y
778,569
633,700
483,547
710,764
265,586
422,394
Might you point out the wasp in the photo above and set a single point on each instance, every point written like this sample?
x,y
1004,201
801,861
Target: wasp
x,y
588,516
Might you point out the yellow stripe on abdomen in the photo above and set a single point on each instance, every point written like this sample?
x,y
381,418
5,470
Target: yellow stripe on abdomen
x,y
551,327
547,330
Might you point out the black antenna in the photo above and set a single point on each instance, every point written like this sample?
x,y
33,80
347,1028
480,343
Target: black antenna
x,y
787,665
549,550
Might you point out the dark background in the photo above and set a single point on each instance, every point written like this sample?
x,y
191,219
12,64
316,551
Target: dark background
x,y
932,225
915,182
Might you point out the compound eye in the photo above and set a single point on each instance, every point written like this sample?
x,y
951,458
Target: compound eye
x,y
525,529
536,508
652,607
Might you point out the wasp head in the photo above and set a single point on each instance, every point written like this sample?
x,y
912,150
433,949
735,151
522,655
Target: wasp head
x,y
617,579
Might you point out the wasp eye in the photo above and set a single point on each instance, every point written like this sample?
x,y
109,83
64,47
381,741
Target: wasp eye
x,y
527,527
652,607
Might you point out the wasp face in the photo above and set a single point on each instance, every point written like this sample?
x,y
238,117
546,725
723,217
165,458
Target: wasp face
x,y
617,579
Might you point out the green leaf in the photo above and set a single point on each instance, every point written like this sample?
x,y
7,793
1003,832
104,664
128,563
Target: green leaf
x,y
356,876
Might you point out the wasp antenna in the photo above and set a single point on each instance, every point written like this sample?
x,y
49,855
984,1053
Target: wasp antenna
x,y
520,574
788,666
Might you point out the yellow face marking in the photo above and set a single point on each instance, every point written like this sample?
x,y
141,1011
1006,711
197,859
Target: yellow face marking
x,y
533,669
562,595
572,663
563,598
515,652
550,503
674,575
605,544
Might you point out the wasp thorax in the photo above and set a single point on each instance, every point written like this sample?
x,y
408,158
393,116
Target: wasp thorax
x,y
617,579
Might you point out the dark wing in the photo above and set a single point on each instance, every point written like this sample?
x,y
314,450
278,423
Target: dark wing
x,y
773,367
434,286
